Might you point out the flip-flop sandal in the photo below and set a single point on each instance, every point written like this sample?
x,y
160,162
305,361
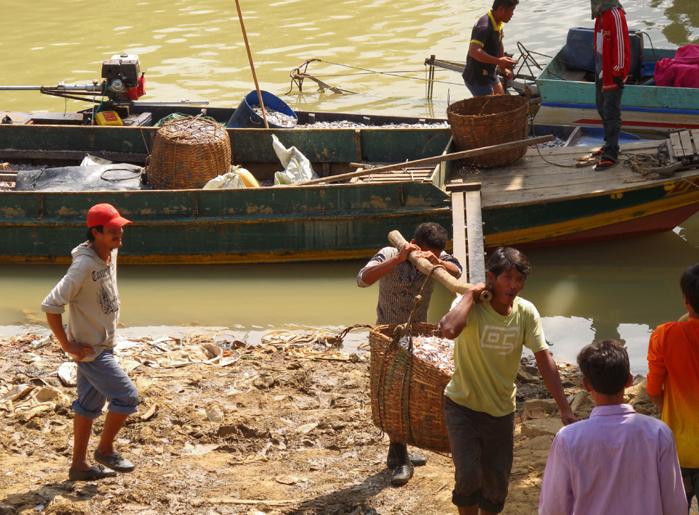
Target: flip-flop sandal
x,y
94,473
585,161
604,164
590,155
114,461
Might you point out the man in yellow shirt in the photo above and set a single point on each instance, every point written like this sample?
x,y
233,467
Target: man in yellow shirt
x,y
480,404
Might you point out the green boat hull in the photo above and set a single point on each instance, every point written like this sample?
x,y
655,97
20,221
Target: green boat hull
x,y
304,223
566,99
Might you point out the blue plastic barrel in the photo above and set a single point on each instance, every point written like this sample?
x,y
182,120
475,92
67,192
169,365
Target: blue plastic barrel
x,y
245,117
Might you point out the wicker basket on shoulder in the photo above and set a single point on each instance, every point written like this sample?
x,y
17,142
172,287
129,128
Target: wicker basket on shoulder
x,y
187,153
407,393
484,121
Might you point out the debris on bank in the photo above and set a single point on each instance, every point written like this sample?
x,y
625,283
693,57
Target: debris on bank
x,y
233,422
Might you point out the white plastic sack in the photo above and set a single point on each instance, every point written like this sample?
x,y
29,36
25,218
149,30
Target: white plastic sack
x,y
227,181
90,160
297,167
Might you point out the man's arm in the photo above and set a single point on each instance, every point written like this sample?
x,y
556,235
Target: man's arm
x,y
449,264
672,496
78,350
451,324
370,274
556,496
450,267
552,380
475,50
54,304
655,381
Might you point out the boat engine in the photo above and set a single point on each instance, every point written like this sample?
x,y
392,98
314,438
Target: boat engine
x,y
123,79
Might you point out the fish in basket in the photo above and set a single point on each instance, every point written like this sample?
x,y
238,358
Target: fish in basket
x,y
409,370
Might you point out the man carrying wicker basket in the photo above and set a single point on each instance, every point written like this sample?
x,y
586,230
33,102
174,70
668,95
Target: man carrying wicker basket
x,y
480,398
399,283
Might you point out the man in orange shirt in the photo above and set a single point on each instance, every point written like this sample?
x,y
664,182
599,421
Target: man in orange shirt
x,y
673,379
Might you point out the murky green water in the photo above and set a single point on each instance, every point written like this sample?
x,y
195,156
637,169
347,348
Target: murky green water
x,y
195,51
618,289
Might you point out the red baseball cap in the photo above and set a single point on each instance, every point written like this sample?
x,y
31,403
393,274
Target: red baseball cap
x,y
105,215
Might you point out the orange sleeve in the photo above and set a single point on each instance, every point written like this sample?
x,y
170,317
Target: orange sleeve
x,y
656,363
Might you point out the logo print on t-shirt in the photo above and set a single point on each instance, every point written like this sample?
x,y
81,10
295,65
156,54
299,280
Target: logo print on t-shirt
x,y
500,339
108,301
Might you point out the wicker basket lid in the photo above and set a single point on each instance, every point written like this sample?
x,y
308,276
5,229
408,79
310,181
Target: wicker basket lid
x,y
187,153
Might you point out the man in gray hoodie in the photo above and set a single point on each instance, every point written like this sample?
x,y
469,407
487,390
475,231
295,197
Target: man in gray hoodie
x,y
90,289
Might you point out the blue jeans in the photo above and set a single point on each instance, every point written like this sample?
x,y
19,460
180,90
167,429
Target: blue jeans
x,y
482,90
101,380
609,109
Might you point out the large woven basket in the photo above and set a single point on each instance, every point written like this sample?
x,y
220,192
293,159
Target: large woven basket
x,y
407,393
187,153
484,121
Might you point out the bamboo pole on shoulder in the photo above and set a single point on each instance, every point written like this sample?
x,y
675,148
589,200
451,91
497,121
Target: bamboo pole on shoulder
x,y
450,282
252,64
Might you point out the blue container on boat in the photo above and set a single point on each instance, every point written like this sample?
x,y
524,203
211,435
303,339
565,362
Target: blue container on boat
x,y
245,117
580,50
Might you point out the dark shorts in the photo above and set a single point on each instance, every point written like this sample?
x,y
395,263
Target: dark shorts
x,y
482,90
690,477
481,447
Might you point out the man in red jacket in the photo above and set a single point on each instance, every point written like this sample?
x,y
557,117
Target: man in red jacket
x,y
612,64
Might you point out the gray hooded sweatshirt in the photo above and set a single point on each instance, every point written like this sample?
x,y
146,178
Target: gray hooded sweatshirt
x,y
90,289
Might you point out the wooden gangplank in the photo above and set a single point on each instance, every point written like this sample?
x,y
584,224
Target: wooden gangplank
x,y
684,144
467,223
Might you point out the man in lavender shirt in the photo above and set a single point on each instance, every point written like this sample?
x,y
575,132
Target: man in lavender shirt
x,y
617,461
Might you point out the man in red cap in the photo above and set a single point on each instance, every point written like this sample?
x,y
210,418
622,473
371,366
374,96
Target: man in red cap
x,y
90,289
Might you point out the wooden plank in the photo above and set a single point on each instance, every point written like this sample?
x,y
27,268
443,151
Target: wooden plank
x,y
676,145
455,186
694,133
436,159
476,252
458,222
686,139
670,151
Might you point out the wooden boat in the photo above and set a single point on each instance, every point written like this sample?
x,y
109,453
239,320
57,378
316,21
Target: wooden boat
x,y
146,114
226,226
530,203
568,98
546,200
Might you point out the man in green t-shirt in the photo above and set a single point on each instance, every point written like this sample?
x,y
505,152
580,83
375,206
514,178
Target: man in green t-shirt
x,y
480,398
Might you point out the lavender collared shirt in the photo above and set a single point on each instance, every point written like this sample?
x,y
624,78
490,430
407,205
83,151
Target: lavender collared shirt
x,y
615,462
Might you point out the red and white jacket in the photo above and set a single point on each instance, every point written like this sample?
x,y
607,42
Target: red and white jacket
x,y
612,33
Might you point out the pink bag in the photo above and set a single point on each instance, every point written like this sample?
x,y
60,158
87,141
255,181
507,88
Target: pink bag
x,y
681,71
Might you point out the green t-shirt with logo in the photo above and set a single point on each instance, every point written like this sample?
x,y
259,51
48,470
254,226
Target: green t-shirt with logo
x,y
487,355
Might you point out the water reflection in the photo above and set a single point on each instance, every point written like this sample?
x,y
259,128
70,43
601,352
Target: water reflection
x,y
619,289
196,52
684,20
